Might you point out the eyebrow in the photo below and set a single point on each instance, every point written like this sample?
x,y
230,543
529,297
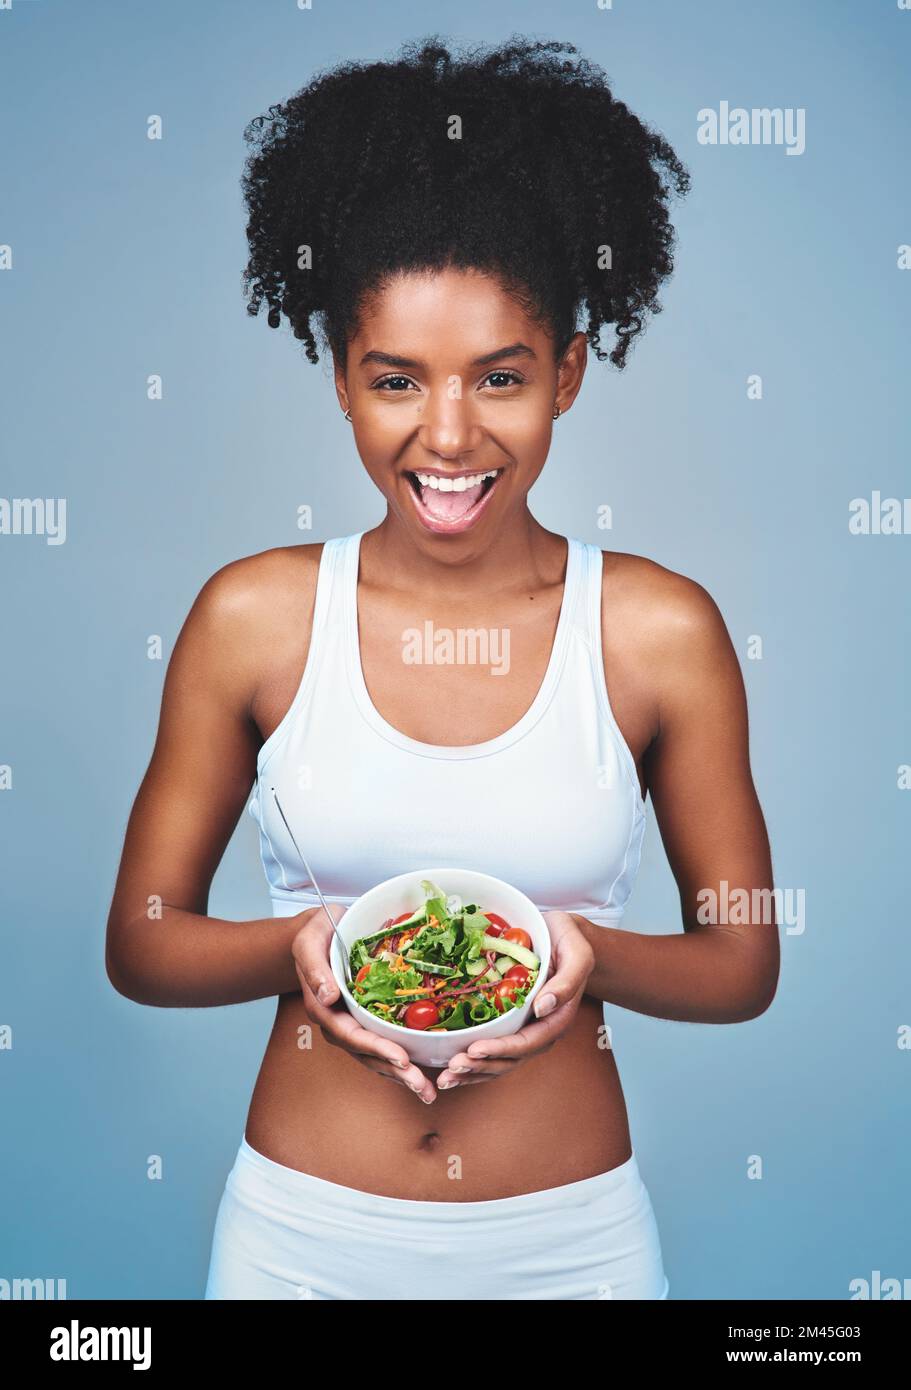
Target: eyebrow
x,y
388,359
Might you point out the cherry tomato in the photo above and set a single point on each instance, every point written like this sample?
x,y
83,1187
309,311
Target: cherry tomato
x,y
499,924
361,974
506,989
519,973
422,1014
520,937
404,917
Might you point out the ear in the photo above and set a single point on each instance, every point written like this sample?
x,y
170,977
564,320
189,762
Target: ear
x,y
341,390
570,371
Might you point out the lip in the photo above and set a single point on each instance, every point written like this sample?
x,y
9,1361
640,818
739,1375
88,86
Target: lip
x,y
462,523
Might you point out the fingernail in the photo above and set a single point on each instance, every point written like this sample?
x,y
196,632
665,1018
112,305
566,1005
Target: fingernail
x,y
545,1004
446,1085
324,993
428,1100
460,1068
396,1062
480,1055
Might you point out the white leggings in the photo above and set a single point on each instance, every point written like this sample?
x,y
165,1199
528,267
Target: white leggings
x,y
283,1234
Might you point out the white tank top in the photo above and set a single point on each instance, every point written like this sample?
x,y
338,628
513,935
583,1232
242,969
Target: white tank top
x,y
552,805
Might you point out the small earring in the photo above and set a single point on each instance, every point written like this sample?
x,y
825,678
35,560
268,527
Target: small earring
x,y
557,412
348,415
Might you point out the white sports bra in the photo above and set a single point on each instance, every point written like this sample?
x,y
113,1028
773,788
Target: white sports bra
x,y
552,805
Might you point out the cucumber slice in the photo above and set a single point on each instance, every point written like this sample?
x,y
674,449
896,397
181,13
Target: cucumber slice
x,y
511,948
369,940
504,963
379,935
419,915
441,970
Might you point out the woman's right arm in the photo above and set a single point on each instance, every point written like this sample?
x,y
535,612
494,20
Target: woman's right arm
x,y
162,948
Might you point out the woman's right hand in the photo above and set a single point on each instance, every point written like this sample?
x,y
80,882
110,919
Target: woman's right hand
x,y
322,996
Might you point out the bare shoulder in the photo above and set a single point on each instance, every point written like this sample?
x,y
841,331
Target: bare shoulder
x,y
249,619
264,588
657,606
665,643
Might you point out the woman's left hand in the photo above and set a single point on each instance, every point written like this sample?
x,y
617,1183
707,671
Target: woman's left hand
x,y
571,962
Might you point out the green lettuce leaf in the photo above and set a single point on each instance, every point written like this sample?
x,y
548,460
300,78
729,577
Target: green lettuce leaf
x,y
380,985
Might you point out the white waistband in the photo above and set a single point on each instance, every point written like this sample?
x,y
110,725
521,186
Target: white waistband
x,y
619,1188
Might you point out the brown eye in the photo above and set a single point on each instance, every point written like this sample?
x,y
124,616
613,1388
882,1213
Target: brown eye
x,y
512,378
385,381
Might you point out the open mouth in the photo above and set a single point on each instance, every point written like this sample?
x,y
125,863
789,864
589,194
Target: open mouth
x,y
448,504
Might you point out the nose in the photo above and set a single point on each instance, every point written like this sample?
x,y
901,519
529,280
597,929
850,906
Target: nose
x,y
447,427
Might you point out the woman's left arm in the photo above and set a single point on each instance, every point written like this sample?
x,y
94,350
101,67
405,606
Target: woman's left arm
x,y
712,827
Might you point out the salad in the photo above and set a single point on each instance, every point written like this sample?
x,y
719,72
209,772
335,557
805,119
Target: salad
x,y
443,967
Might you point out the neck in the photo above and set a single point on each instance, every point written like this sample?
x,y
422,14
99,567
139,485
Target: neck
x,y
520,556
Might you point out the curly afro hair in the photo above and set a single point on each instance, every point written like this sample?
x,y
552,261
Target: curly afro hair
x,y
516,160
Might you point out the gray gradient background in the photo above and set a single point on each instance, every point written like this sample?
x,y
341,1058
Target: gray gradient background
x,y
128,256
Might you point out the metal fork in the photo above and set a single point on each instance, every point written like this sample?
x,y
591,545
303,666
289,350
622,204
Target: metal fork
x,y
342,947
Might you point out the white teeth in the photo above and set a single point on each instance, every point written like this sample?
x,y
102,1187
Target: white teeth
x,y
453,484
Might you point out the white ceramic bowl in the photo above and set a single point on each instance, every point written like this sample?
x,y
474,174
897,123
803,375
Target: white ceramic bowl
x,y
404,894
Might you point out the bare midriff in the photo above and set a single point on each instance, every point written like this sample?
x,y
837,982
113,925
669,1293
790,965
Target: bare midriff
x,y
556,1118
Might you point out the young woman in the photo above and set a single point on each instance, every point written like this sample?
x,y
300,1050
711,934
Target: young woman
x,y
446,220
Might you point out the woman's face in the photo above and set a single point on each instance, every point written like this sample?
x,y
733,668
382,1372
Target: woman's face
x,y
449,379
